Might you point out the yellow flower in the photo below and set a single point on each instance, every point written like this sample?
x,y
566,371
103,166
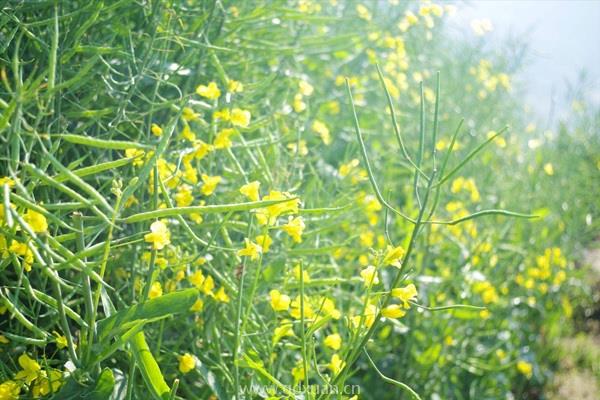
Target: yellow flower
x,y
368,318
286,328
322,131
279,302
36,221
201,149
336,364
156,130
268,215
393,256
296,273
210,91
9,390
306,89
47,383
405,294
61,340
294,228
23,250
209,285
5,180
298,147
30,369
328,308
184,196
549,169
250,190
197,306
137,155
187,133
296,310
345,169
264,241
197,218
187,362
210,184
221,295
525,368
159,235
369,276
235,86
298,373
333,341
188,114
223,115
240,117
363,12
222,140
251,250
393,311
197,279
4,340
155,290
298,104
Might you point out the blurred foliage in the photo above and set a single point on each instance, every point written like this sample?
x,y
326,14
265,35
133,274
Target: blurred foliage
x,y
118,116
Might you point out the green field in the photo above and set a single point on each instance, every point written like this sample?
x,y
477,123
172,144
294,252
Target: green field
x,y
288,200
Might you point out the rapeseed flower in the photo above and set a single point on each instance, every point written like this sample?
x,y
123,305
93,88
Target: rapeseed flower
x,y
159,235
393,311
30,369
322,131
210,184
184,196
328,308
296,310
155,290
223,138
210,91
405,294
333,341
393,256
525,368
188,114
234,86
197,306
279,302
36,221
251,250
264,241
250,190
9,390
294,228
268,215
221,295
369,276
197,279
240,117
156,130
363,12
137,155
187,362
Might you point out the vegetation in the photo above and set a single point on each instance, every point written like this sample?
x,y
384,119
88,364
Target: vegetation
x,y
272,199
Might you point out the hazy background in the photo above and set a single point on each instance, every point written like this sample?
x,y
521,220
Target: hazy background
x,y
563,38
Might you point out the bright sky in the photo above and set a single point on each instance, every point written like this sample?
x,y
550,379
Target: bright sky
x,y
563,38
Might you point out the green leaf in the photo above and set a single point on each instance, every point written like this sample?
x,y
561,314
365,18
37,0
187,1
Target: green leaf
x,y
153,377
211,380
160,307
101,390
218,208
102,143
